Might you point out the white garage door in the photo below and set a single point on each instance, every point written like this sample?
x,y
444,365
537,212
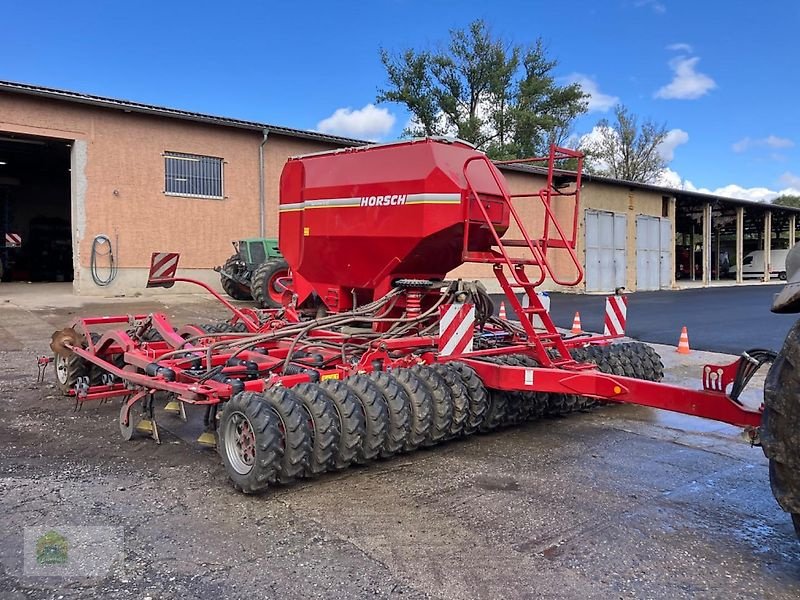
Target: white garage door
x,y
606,255
653,253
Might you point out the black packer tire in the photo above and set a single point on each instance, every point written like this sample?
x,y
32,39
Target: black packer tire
x,y
352,427
421,407
459,394
234,289
376,415
780,425
268,442
262,285
478,396
398,406
220,327
296,432
67,370
516,405
498,405
583,356
324,425
442,404
535,404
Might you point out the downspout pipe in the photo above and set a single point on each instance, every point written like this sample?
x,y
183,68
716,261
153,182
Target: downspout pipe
x,y
262,216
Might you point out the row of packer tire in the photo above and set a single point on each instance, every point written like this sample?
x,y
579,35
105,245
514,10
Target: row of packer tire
x,y
284,433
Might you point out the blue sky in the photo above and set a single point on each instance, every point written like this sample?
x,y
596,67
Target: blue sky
x,y
723,76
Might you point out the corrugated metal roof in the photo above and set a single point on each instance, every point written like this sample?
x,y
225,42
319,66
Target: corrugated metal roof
x,y
129,106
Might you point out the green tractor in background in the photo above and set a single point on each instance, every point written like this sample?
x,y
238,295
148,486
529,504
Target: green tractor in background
x,y
257,271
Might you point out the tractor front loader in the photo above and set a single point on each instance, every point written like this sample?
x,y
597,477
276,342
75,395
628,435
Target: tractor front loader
x,y
373,351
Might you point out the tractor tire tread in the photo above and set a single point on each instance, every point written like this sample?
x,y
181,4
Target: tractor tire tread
x,y
325,427
442,404
376,417
398,406
297,433
421,407
352,427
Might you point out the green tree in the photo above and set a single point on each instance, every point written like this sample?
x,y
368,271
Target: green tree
x,y
787,200
623,149
499,96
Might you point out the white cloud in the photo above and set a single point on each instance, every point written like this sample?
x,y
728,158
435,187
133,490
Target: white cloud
x,y
669,178
733,190
681,47
687,84
790,179
771,141
673,139
598,101
655,5
672,179
369,122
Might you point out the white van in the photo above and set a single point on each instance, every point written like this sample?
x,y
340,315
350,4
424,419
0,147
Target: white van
x,y
753,264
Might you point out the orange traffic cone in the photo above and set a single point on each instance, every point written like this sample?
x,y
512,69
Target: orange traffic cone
x,y
683,343
576,323
502,313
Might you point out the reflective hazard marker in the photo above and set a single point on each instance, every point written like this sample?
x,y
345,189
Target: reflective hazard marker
x,y
163,265
456,328
13,240
616,315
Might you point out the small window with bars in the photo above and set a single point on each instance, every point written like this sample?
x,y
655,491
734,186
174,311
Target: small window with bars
x,y
192,175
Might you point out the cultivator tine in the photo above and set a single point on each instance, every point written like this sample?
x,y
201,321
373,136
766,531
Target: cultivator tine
x,y
207,439
149,427
174,407
41,364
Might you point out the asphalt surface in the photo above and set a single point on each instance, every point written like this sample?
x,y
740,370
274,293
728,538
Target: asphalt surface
x,y
724,319
619,502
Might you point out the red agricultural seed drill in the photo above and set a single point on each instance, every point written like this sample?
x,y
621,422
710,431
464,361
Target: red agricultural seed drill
x,y
375,352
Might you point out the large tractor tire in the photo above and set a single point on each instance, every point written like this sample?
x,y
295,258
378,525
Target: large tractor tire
x,y
264,285
780,425
234,289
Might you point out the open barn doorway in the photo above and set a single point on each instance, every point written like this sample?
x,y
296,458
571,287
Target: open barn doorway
x,y
35,208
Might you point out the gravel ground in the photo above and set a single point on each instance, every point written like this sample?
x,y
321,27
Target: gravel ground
x,y
620,502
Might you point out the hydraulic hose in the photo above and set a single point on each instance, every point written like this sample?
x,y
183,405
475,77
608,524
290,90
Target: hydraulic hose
x,y
98,243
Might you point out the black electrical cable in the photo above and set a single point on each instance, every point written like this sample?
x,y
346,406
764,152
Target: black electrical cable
x,y
97,242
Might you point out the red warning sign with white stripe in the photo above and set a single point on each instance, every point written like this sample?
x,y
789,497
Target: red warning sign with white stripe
x,y
163,265
616,315
456,328
13,240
